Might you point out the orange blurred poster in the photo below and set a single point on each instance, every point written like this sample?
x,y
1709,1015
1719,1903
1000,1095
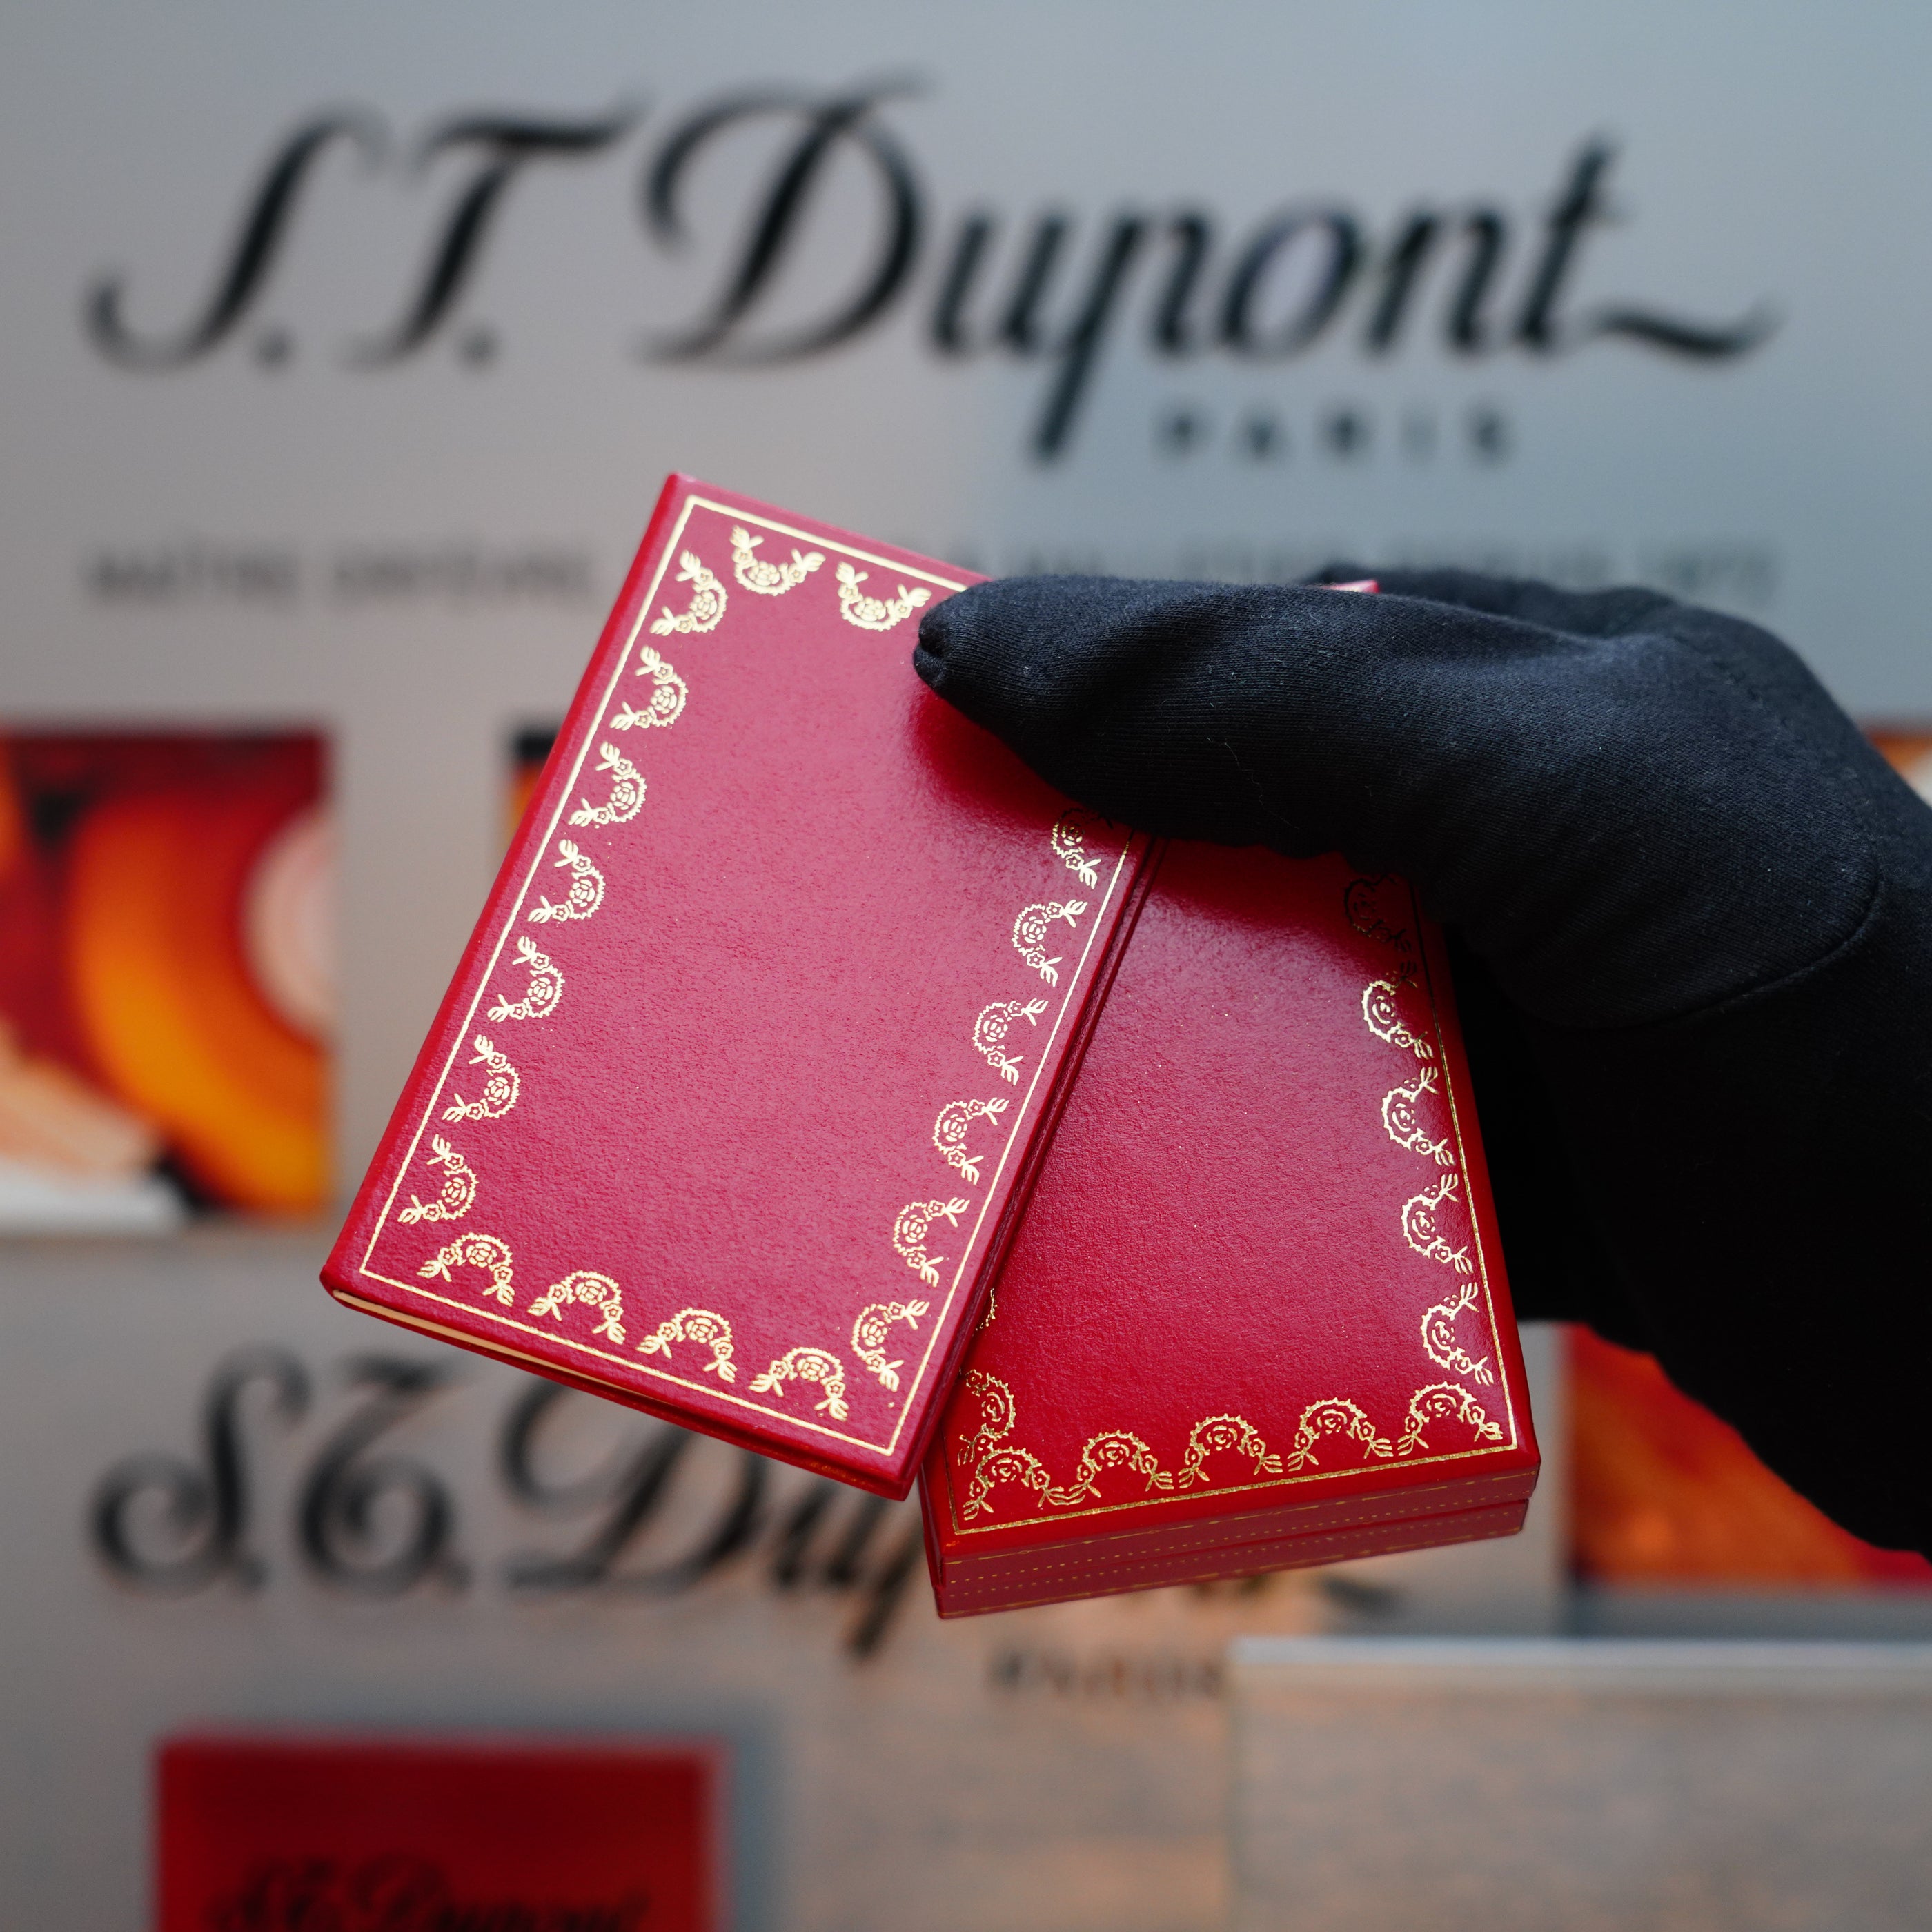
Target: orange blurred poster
x,y
166,939
1908,748
1662,1493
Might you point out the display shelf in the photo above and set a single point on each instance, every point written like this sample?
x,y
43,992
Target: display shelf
x,y
1564,1786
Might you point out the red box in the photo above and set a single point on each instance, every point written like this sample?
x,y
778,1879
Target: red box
x,y
267,1835
1256,1316
741,1082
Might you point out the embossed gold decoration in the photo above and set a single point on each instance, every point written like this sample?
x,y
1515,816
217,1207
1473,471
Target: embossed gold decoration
x,y
483,1251
988,1458
1030,933
1365,901
1369,904
1438,1400
1070,846
627,791
459,1187
768,579
586,1285
910,1230
1006,1464
707,600
1403,1119
1229,1434
546,986
500,1088
666,702
808,1365
874,614
1334,1417
982,1453
1385,1021
1422,1231
990,1029
869,1332
997,1413
587,889
699,1325
1438,1336
1112,1449
992,1459
950,1131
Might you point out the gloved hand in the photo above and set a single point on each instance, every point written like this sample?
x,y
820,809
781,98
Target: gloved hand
x,y
1693,914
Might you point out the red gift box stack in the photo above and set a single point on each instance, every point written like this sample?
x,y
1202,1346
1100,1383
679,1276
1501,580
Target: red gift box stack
x,y
736,1105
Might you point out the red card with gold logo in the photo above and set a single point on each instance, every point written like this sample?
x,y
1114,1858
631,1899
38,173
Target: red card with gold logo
x,y
732,1106
321,1835
1256,1316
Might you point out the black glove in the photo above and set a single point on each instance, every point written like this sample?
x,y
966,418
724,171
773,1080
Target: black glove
x,y
1693,911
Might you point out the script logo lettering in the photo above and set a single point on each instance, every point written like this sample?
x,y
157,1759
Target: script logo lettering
x,y
1059,288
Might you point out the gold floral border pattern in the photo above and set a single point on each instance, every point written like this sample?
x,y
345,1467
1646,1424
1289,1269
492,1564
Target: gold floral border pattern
x,y
586,1285
541,998
701,1326
760,573
458,1193
503,1086
990,1031
1364,902
871,1329
989,1460
806,1364
708,597
585,893
875,613
486,1251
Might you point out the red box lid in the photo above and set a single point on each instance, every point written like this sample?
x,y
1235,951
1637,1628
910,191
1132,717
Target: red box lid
x,y
1259,1291
733,1102
258,1834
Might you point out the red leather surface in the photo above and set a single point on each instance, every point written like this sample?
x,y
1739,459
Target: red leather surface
x,y
750,1170
1260,1269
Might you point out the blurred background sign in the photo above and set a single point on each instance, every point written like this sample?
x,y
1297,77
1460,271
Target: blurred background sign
x,y
235,1507
346,350
342,352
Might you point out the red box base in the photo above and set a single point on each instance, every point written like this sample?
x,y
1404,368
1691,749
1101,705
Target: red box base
x,y
1256,1316
1021,1581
